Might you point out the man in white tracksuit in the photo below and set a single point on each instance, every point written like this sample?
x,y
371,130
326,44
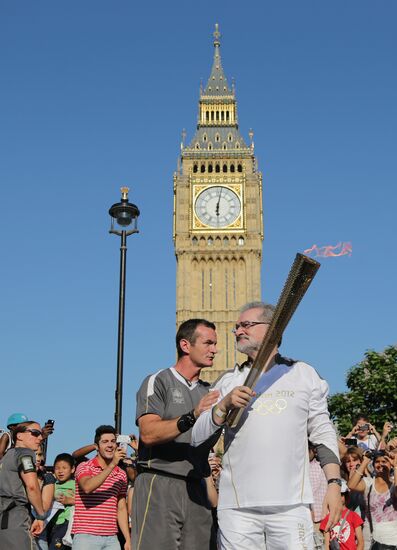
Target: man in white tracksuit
x,y
265,492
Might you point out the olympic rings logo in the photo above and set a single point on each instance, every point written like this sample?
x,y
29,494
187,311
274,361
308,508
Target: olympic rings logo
x,y
270,406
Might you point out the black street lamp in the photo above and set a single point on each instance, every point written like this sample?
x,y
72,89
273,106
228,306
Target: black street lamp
x,y
124,214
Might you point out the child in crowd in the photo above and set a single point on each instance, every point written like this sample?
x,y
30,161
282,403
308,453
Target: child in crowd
x,y
348,531
64,494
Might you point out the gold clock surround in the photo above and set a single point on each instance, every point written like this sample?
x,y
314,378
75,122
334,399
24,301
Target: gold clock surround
x,y
198,187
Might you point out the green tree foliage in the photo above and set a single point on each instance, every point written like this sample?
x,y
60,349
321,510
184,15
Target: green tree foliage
x,y
373,392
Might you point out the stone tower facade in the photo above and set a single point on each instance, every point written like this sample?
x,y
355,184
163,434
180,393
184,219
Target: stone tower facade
x,y
218,218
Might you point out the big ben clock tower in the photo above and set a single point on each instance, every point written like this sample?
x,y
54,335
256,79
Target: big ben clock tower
x,y
218,218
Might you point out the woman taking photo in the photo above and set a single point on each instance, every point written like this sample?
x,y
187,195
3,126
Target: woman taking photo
x,y
380,494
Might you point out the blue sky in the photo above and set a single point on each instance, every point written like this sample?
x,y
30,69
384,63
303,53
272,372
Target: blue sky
x,y
94,95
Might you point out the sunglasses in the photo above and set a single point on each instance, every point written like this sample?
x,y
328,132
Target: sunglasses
x,y
35,433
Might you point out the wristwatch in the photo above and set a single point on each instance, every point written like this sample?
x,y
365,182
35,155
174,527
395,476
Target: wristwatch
x,y
336,480
219,413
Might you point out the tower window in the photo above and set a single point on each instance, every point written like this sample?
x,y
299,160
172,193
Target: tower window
x,y
210,146
195,168
222,115
212,116
241,241
224,168
207,116
217,168
224,147
205,137
210,241
209,166
195,241
217,115
237,145
227,115
232,167
202,168
197,146
217,137
230,137
239,168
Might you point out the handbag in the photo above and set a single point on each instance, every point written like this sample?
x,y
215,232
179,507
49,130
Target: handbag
x,y
334,543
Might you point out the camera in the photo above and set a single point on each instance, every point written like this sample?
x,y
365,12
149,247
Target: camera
x,y
351,442
122,441
363,427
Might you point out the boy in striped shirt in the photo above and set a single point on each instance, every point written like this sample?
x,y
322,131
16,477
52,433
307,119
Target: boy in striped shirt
x,y
101,488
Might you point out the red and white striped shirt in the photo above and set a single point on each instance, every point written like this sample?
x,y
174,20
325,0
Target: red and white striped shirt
x,y
96,513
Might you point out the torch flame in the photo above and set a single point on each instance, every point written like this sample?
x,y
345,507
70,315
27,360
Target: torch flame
x,y
341,249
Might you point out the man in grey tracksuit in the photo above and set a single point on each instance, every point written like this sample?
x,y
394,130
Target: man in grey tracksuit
x,y
170,508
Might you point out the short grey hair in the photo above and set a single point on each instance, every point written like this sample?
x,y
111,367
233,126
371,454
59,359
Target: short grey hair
x,y
267,310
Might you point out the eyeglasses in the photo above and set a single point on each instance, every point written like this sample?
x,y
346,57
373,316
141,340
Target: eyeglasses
x,y
247,324
35,433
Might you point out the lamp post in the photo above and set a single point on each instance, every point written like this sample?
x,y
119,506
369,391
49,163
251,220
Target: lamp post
x,y
124,214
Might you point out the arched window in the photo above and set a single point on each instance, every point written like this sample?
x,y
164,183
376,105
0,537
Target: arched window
x,y
232,167
210,241
207,116
195,168
217,168
217,115
241,241
197,146
227,115
212,116
210,168
239,168
217,137
195,241
202,168
230,137
224,168
205,137
222,115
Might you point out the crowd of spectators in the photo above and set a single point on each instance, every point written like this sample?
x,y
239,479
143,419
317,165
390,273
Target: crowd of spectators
x,y
82,496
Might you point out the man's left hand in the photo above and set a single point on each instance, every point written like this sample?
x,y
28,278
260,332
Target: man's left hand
x,y
37,527
206,402
332,504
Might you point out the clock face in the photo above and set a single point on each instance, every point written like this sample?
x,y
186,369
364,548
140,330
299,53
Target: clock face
x,y
217,206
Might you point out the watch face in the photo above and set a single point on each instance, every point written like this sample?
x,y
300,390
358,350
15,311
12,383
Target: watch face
x,y
217,206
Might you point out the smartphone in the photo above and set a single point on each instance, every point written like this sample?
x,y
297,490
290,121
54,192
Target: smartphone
x,y
50,422
351,442
122,441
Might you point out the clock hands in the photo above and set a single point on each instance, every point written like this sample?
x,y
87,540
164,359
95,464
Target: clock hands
x,y
217,206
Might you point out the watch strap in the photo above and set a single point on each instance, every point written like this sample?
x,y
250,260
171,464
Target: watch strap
x,y
336,480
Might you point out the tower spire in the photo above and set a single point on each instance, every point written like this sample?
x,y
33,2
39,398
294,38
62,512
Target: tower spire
x,y
217,36
217,83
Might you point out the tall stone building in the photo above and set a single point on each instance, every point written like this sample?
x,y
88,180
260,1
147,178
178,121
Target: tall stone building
x,y
218,218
